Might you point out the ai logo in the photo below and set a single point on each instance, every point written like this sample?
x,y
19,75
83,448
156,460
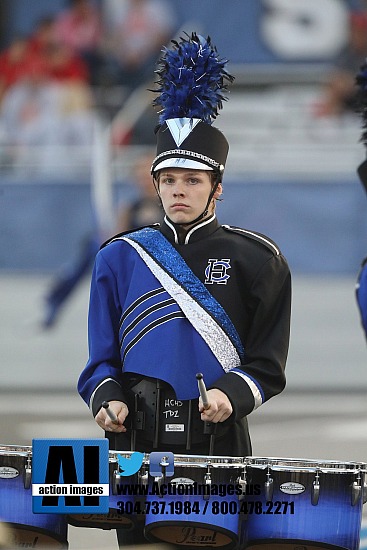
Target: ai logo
x,y
216,272
70,476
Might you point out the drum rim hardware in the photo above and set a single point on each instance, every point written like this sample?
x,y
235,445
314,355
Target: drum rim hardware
x,y
306,465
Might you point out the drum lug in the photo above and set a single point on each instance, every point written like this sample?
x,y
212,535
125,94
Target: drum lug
x,y
356,492
364,492
207,482
269,487
27,478
242,482
143,478
158,480
115,482
315,491
28,474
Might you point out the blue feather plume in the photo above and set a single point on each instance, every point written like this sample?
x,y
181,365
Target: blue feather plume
x,y
191,80
361,81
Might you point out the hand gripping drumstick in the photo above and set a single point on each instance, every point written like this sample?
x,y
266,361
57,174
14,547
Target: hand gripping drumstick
x,y
202,390
209,428
109,412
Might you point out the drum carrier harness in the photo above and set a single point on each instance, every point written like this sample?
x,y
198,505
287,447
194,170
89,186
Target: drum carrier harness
x,y
162,419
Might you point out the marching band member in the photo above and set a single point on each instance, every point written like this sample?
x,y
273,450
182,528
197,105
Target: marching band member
x,y
189,295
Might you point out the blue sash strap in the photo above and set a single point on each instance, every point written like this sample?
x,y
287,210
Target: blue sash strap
x,y
205,314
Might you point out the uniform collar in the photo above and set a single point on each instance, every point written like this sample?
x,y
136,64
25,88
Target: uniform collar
x,y
176,233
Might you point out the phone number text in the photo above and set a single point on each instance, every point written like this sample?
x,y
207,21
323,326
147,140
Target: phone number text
x,y
212,507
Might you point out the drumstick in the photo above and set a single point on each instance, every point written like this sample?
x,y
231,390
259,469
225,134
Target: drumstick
x,y
209,427
109,412
202,390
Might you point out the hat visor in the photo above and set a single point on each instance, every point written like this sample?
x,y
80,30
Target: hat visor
x,y
181,162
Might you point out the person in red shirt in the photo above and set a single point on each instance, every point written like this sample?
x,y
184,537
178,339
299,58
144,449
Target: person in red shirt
x,y
13,64
61,62
64,65
134,35
79,28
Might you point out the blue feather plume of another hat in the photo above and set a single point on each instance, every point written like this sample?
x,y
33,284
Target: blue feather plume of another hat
x,y
361,81
191,80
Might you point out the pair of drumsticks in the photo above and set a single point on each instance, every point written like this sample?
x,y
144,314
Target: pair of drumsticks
x,y
204,398
202,391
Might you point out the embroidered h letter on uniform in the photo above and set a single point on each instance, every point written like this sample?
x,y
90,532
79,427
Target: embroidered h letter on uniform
x,y
216,271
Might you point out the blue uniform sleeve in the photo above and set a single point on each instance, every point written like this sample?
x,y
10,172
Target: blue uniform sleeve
x,y
104,366
361,294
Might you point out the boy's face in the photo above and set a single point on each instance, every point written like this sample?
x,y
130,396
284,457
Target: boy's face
x,y
185,192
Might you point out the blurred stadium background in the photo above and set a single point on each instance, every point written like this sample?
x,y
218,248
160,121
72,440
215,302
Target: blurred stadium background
x,y
291,175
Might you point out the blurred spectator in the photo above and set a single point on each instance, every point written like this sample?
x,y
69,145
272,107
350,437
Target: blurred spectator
x,y
145,210
46,99
80,28
13,63
39,56
29,106
134,36
64,65
39,110
340,93
60,61
42,36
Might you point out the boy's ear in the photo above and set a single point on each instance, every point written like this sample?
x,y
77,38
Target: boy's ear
x,y
218,191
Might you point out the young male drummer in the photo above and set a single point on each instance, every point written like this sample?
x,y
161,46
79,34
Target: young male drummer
x,y
187,296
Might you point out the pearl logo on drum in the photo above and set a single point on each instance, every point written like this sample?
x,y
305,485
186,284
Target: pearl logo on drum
x,y
291,488
6,472
192,535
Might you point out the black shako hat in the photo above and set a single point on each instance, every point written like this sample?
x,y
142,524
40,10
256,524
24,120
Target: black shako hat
x,y
190,143
191,86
